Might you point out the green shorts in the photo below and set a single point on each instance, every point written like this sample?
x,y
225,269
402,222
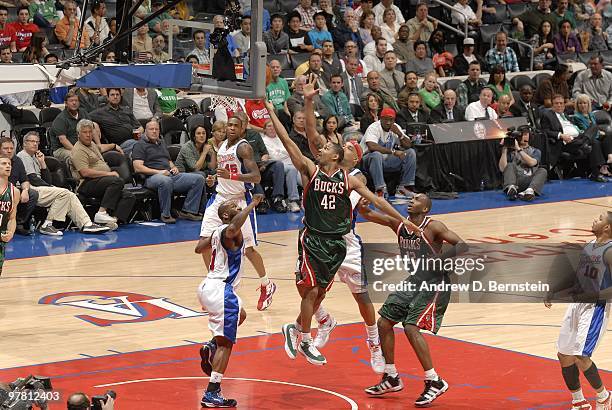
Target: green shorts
x,y
319,258
422,309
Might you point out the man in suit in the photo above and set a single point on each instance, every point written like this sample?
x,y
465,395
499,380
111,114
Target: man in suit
x,y
526,107
353,86
413,112
391,79
448,111
563,136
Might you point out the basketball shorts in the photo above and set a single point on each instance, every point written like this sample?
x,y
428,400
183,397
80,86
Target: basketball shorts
x,y
583,327
223,305
211,220
319,258
422,309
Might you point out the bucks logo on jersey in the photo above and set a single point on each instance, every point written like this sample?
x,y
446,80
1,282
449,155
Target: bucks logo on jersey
x,y
327,204
6,204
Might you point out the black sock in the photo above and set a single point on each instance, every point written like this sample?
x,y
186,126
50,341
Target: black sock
x,y
592,375
571,377
213,386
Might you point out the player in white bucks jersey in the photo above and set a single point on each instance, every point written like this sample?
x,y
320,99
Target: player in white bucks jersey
x,y
236,172
217,294
586,319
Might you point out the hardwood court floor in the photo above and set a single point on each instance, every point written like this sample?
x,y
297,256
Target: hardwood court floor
x,y
35,332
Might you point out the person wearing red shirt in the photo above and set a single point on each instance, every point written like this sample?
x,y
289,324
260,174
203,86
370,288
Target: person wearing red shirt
x,y
258,114
7,34
23,29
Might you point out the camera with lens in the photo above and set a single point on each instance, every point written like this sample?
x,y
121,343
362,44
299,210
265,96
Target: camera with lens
x,y
513,134
26,392
80,401
231,22
98,401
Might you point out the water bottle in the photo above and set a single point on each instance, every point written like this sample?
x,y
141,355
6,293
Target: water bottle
x,y
483,185
418,138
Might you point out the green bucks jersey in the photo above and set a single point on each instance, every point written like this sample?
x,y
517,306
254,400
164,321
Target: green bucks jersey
x,y
327,204
6,204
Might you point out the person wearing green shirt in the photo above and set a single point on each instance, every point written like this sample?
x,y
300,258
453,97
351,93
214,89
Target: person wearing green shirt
x,y
44,12
430,93
167,100
277,91
337,102
499,84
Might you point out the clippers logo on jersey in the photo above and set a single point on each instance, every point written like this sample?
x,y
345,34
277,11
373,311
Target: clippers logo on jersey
x,y
139,308
226,159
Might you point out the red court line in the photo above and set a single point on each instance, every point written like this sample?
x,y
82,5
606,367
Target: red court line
x,y
480,377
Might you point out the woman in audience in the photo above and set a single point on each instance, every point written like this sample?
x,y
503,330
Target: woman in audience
x,y
108,56
218,136
37,50
543,47
330,130
557,84
565,40
277,152
498,83
373,107
430,93
389,27
365,26
583,116
194,155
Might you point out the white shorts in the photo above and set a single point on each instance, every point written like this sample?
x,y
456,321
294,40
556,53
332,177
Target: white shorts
x,y
350,271
584,325
223,306
354,279
211,220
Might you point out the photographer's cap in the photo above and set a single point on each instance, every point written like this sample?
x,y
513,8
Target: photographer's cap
x,y
387,112
468,42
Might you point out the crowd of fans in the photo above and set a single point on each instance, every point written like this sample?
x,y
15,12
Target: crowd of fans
x,y
377,69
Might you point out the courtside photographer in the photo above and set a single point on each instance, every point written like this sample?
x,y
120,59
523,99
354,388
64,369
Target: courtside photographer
x,y
80,401
520,164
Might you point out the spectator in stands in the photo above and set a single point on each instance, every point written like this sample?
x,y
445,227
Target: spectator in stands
x,y
353,86
337,102
277,91
51,58
523,177
37,50
295,103
366,24
218,136
462,62
389,26
315,63
60,5
595,36
502,107
431,95
90,99
7,34
142,103
413,112
375,62
410,86
557,84
583,116
151,159
67,28
23,29
112,27
381,138
421,64
117,123
498,83
331,12
319,33
197,156
481,109
563,13
448,111
370,48
96,25
161,23
596,83
379,11
331,64
565,40
277,41
298,134
583,10
94,175
60,201
362,6
109,56
307,14
44,13
6,56
420,27
200,50
330,130
391,79
530,21
372,112
19,178
278,152
403,47
257,114
347,30
299,42
158,54
543,46
462,12
242,37
526,107
501,54
63,133
142,43
375,88
442,59
352,51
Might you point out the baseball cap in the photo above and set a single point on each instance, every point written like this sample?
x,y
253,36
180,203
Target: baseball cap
x,y
468,42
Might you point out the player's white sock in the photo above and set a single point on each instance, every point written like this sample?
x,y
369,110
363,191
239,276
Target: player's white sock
x,y
306,337
215,377
391,370
373,334
298,327
265,280
321,314
577,395
431,374
602,395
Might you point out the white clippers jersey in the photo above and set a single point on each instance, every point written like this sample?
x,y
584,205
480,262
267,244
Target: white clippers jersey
x,y
228,158
593,274
225,265
353,241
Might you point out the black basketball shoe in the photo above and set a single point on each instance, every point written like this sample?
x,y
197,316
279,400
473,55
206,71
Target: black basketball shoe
x,y
433,390
387,384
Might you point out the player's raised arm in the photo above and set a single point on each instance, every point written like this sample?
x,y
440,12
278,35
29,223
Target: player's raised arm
x,y
381,204
12,222
235,226
315,140
442,233
372,215
300,162
245,152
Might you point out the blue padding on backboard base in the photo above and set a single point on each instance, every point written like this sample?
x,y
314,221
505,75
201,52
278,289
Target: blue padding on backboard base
x,y
138,76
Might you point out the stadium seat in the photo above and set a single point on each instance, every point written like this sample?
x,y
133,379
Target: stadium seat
x,y
452,48
567,58
171,130
584,57
607,56
515,10
205,104
501,12
283,59
538,78
28,122
48,114
197,120
288,5
174,150
298,59
272,6
186,103
518,81
602,118
452,84
488,32
58,172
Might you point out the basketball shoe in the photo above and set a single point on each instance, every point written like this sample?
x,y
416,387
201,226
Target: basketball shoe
x,y
581,405
388,384
265,297
433,390
216,399
207,353
311,353
376,357
291,339
324,331
606,404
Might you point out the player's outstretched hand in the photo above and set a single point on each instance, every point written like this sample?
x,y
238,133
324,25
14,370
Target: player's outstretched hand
x,y
309,87
257,198
547,300
364,203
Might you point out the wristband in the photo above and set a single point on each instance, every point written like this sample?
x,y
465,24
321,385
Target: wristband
x,y
233,176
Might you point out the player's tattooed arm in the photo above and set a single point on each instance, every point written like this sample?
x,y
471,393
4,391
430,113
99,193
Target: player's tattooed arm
x,y
245,152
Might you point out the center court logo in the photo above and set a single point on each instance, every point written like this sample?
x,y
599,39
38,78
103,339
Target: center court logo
x,y
139,308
